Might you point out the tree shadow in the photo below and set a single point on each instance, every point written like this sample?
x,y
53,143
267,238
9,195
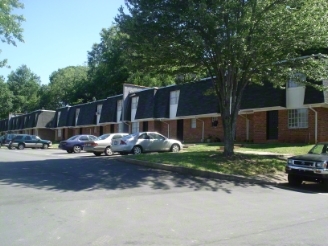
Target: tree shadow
x,y
94,173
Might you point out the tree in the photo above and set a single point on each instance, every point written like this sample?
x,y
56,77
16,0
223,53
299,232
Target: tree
x,y
10,24
24,85
106,60
237,43
6,98
65,86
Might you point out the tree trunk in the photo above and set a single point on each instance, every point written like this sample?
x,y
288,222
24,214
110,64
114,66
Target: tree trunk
x,y
228,122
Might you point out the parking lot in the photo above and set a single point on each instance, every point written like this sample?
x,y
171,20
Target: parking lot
x,y
50,197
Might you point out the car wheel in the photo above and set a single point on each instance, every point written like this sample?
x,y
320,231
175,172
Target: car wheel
x,y
69,151
108,151
45,146
175,148
97,153
294,180
137,150
77,149
21,146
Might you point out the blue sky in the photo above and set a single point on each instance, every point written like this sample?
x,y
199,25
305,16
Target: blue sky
x,y
58,33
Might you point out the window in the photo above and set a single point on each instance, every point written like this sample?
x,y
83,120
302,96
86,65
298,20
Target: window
x,y
298,118
156,136
58,117
174,97
134,102
135,127
28,138
295,80
193,123
215,121
84,138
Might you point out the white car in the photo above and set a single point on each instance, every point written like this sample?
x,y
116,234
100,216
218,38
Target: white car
x,y
141,142
103,144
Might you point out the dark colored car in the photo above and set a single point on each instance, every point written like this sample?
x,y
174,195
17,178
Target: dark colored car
x,y
7,138
76,143
312,166
22,141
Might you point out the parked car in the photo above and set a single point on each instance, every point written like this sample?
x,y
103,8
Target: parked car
x,y
6,139
76,143
312,166
2,138
103,144
140,142
22,141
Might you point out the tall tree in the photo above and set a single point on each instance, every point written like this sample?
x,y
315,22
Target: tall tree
x,y
6,98
24,84
108,70
10,24
65,86
237,42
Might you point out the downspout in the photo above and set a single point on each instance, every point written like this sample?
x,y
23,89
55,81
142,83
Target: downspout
x,y
168,127
203,130
316,125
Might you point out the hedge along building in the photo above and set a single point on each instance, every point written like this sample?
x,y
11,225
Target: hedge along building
x,y
36,123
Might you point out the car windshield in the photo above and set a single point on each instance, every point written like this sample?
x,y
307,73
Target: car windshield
x,y
102,137
319,149
73,138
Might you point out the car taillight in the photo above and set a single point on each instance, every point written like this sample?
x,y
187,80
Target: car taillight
x,y
93,144
122,142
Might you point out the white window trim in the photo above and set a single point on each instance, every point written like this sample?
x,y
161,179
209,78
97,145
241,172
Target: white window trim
x,y
193,123
298,118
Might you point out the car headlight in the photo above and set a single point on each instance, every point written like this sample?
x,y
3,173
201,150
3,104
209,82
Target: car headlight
x,y
290,161
321,164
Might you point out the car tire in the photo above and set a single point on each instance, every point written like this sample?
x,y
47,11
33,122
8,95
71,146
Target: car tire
x,y
108,151
175,148
294,180
77,149
69,151
21,146
45,146
137,150
97,153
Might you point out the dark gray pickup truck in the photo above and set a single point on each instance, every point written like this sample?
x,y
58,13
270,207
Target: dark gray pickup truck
x,y
312,166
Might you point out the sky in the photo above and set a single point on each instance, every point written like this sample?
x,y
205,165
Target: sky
x,y
58,34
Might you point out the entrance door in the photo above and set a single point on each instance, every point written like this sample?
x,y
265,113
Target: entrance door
x,y
272,125
180,130
101,130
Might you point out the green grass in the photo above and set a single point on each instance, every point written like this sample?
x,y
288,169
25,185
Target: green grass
x,y
208,157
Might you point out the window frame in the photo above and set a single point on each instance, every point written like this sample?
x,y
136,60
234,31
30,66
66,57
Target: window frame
x,y
298,118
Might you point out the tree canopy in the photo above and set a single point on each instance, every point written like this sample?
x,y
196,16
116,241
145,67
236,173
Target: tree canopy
x,y
10,24
236,42
24,84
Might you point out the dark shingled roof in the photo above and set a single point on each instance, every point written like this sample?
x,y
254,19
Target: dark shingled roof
x,y
4,125
263,96
87,115
162,102
197,98
146,103
62,122
109,108
71,115
313,96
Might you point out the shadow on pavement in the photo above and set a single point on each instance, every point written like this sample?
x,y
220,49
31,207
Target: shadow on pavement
x,y
93,173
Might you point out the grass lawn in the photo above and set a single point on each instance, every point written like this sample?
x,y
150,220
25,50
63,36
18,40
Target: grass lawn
x,y
208,157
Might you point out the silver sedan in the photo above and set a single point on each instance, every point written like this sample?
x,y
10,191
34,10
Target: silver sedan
x,y
102,144
140,142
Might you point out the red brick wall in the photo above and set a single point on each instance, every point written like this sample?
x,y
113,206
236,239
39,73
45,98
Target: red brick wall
x,y
259,127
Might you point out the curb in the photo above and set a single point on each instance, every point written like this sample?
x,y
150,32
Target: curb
x,y
198,173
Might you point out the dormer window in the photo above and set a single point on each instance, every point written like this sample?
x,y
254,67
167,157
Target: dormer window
x,y
296,80
134,102
77,112
174,97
